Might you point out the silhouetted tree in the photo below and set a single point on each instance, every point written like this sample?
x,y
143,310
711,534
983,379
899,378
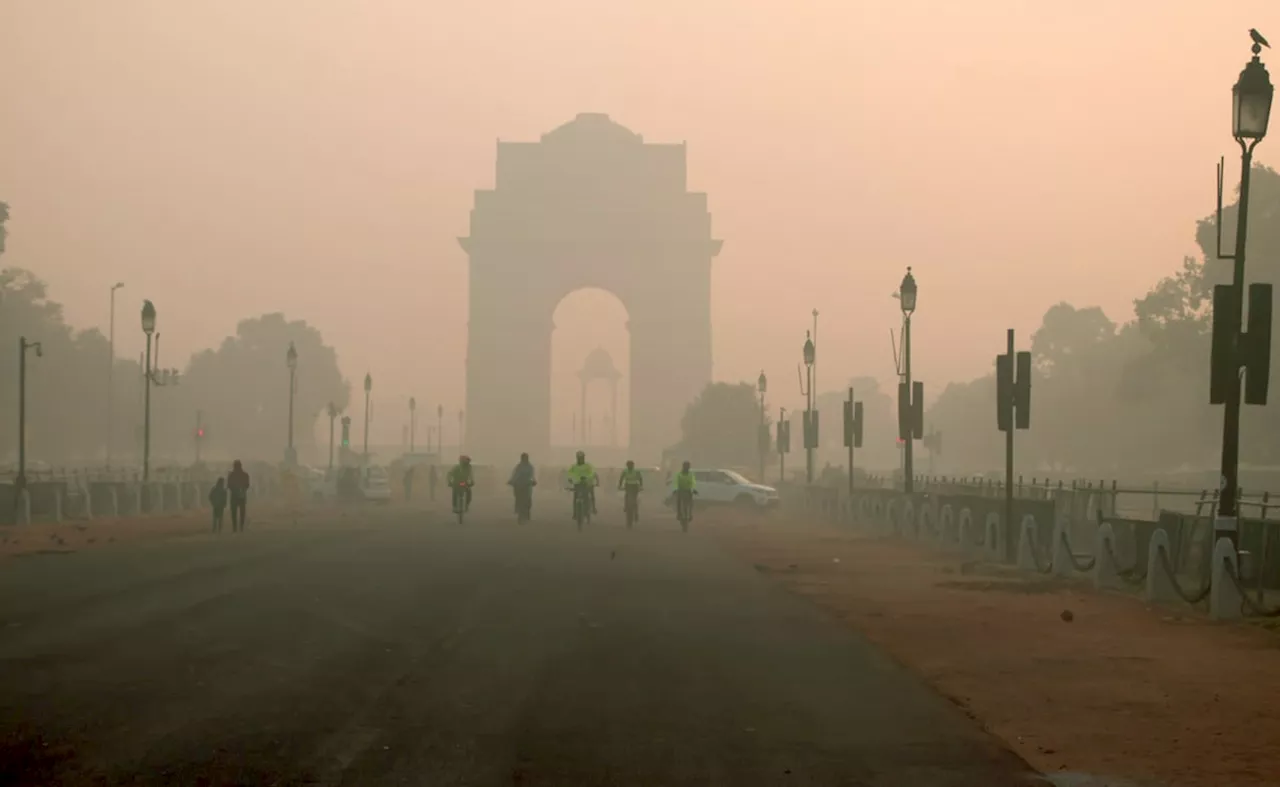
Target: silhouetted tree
x,y
720,427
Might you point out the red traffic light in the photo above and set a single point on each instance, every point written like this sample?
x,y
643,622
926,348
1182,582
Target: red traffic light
x,y
200,432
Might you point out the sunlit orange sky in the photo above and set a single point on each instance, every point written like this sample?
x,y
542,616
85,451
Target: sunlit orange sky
x,y
235,157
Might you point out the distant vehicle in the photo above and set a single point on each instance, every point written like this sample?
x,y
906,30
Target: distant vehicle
x,y
375,486
727,487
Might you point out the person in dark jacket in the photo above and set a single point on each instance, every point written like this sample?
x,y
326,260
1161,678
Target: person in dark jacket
x,y
218,500
238,486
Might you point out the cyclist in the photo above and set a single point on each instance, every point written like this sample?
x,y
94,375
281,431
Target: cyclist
x,y
686,488
631,479
583,473
461,474
523,481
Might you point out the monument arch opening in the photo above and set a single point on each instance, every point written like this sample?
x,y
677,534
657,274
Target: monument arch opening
x,y
590,368
590,205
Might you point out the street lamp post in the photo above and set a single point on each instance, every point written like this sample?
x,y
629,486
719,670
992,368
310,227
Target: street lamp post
x,y
291,359
413,423
762,385
23,346
368,387
461,415
1251,113
149,328
907,299
440,429
333,415
810,422
111,367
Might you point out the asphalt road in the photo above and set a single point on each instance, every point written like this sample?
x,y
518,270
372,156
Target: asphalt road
x,y
406,650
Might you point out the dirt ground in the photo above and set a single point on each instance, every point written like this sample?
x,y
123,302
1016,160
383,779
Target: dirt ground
x,y
1128,693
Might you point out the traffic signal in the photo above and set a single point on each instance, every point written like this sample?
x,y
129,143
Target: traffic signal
x,y
200,432
810,428
1013,391
346,431
910,411
784,437
853,424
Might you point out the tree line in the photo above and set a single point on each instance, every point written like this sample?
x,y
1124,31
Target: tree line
x,y
240,388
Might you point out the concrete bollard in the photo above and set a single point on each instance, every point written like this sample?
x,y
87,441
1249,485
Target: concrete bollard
x,y
1063,564
1224,596
113,501
22,515
907,523
57,506
137,498
946,525
964,528
993,542
1159,585
1105,574
1027,544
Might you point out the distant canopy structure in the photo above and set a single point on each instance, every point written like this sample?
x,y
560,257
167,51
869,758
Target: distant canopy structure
x,y
599,366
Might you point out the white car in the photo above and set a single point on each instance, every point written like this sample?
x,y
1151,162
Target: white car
x,y
721,487
375,485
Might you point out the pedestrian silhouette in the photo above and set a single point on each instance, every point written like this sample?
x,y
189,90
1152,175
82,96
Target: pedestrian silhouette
x,y
218,501
238,486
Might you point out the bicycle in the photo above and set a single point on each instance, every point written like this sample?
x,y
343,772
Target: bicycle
x,y
684,507
460,505
524,502
631,505
581,503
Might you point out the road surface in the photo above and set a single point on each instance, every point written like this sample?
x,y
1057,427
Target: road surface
x,y
402,649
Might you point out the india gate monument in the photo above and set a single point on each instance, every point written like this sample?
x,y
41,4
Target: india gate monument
x,y
590,205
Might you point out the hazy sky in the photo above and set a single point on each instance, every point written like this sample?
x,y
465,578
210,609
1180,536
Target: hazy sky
x,y
319,157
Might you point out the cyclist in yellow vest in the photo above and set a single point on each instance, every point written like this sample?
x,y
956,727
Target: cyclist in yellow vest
x,y
632,482
686,487
583,473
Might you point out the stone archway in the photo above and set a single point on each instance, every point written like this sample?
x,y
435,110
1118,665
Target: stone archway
x,y
590,205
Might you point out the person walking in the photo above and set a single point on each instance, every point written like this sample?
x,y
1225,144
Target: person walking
x,y
238,486
218,501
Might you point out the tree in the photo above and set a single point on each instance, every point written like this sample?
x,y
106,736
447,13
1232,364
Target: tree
x,y
1067,334
242,388
720,427
4,218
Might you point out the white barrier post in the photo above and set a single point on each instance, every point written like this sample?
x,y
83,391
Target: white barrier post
x,y
1027,544
1159,584
1224,596
1063,561
994,542
1104,566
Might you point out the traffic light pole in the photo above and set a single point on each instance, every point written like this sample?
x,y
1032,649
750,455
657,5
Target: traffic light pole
x,y
908,479
851,442
199,435
1008,452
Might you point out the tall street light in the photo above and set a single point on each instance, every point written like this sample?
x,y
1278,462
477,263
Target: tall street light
x,y
368,387
111,367
333,415
291,360
907,299
413,423
1250,114
23,346
149,328
762,385
810,425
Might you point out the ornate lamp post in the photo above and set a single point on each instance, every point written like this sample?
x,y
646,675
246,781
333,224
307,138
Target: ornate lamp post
x,y
762,385
1250,115
291,360
333,415
368,387
810,427
23,346
413,423
148,328
907,299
